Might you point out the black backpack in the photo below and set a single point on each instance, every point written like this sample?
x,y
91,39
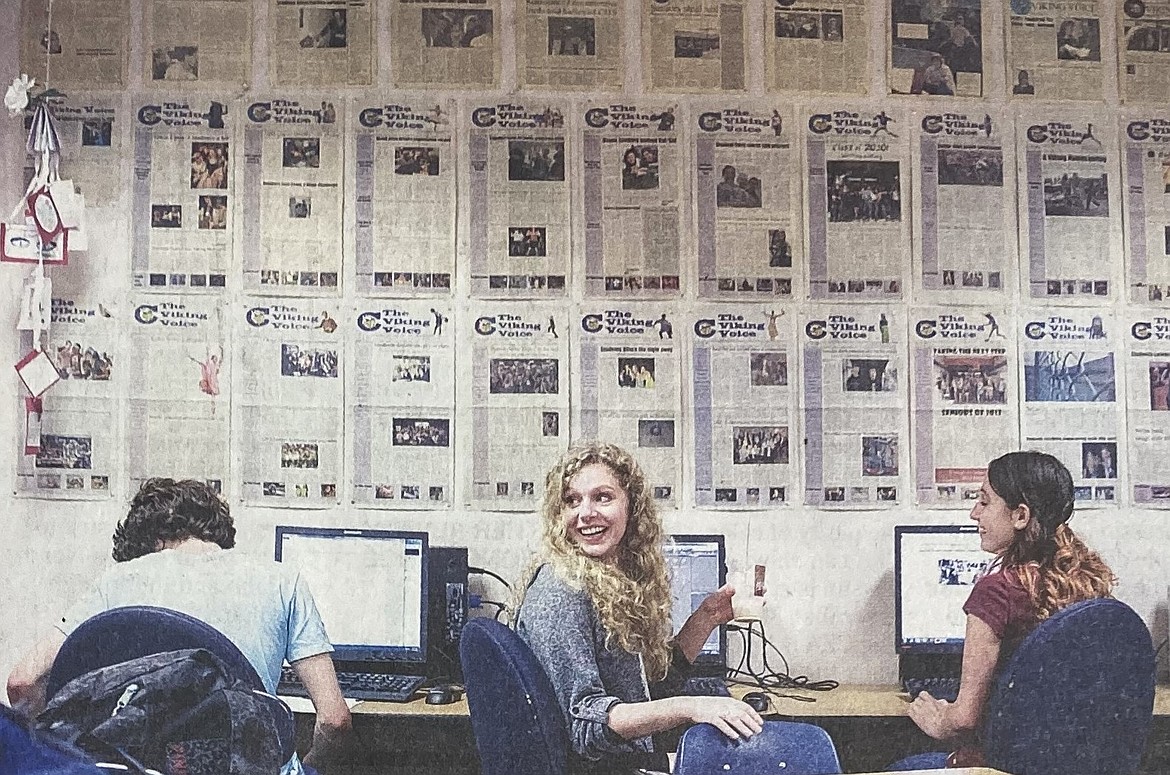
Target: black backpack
x,y
178,712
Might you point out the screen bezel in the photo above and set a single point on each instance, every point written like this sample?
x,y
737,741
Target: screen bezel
x,y
901,647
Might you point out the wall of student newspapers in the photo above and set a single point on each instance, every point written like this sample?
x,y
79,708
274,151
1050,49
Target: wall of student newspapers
x,y
379,264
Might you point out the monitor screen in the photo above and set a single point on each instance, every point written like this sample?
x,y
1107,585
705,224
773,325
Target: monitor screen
x,y
697,566
934,570
370,587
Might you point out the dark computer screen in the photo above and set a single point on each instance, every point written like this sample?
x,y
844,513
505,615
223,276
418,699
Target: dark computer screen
x,y
935,567
698,567
370,587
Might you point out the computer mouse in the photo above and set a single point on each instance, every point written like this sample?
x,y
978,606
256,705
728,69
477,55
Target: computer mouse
x,y
443,695
757,700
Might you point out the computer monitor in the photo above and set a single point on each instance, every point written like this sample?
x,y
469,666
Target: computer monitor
x,y
935,567
370,587
698,567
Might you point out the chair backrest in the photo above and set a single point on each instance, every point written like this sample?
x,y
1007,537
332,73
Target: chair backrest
x,y
783,747
519,727
23,751
1077,696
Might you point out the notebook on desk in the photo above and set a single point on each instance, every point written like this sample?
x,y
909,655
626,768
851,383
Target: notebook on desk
x,y
370,587
698,566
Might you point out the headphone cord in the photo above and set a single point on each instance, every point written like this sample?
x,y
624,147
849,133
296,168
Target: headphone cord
x,y
769,679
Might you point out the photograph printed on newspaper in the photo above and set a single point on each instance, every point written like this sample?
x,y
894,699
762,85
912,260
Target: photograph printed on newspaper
x,y
1147,355
198,44
288,404
1054,50
291,196
400,196
855,394
750,238
817,46
1143,48
400,405
182,194
324,44
446,43
964,402
519,240
937,48
570,44
694,45
85,44
743,409
1145,181
1070,389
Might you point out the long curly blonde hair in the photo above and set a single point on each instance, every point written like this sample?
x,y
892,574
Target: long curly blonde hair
x,y
632,595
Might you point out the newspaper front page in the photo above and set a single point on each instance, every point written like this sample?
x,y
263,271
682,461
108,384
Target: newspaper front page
x,y
86,43
817,46
633,194
628,389
938,48
401,405
402,200
178,413
856,159
1148,408
1145,177
288,404
291,190
79,446
326,44
1143,48
1070,406
198,44
855,394
93,147
964,415
746,442
518,199
1054,49
182,194
747,202
518,402
446,43
1069,208
694,45
964,205
570,44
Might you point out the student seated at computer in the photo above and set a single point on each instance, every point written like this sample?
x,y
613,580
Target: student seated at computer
x,y
174,549
1040,567
595,611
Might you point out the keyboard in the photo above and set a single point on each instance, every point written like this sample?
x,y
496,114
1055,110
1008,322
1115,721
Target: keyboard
x,y
941,688
383,687
705,686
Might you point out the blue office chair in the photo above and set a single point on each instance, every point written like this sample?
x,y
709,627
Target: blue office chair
x,y
23,751
122,634
518,725
783,747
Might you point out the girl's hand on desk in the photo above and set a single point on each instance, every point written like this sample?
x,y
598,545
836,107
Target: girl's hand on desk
x,y
730,716
930,715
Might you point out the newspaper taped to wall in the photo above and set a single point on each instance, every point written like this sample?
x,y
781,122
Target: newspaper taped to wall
x,y
178,412
402,197
817,46
204,44
446,43
854,384
1070,207
743,410
628,391
965,205
183,195
747,195
518,199
401,405
288,404
90,127
694,45
1054,49
1070,406
964,404
519,401
1143,47
85,45
322,43
857,235
938,48
291,197
633,192
1145,179
78,453
1148,407
570,44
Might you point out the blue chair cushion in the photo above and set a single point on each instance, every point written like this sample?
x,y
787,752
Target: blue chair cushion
x,y
784,746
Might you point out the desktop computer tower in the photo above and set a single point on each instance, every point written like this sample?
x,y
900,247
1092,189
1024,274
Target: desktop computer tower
x,y
447,604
